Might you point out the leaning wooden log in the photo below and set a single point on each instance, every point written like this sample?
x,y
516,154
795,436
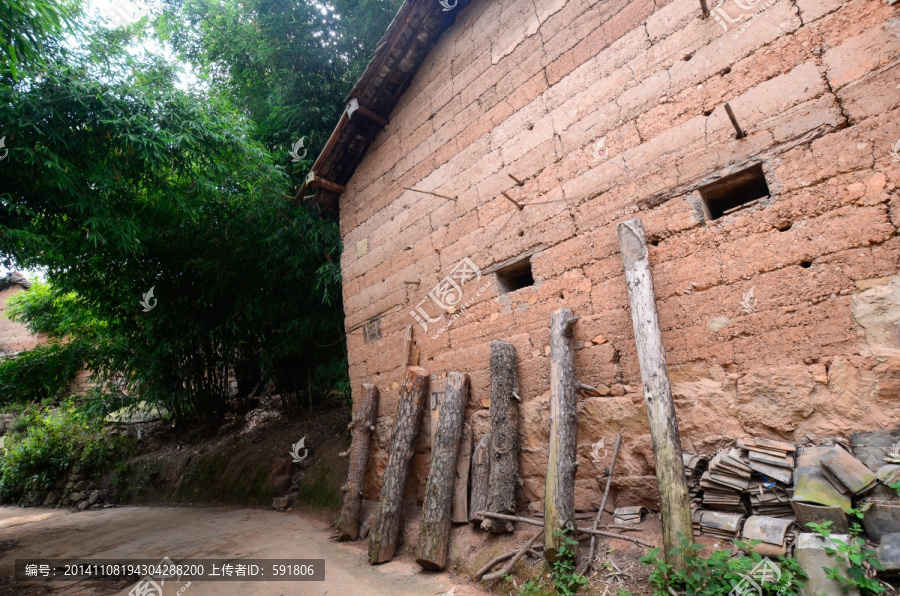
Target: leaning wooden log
x,y
434,533
460,512
361,426
481,470
559,491
515,559
612,466
386,526
588,531
674,502
504,452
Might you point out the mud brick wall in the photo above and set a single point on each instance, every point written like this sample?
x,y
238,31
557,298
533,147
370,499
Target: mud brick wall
x,y
614,109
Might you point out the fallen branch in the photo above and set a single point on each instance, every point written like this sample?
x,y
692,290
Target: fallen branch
x,y
586,565
515,559
589,531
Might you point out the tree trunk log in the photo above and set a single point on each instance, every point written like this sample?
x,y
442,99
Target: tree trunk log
x,y
434,534
386,527
363,420
559,493
460,514
504,474
674,501
481,471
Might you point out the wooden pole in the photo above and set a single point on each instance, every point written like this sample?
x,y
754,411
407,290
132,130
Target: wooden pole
x,y
362,425
674,502
559,493
504,452
460,512
612,466
434,534
386,526
481,471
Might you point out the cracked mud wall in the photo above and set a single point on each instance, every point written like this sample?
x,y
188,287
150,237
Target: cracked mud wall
x,y
779,320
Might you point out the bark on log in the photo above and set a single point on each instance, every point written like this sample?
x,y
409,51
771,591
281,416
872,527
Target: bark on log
x,y
386,527
434,533
363,420
481,470
460,513
504,474
674,501
559,492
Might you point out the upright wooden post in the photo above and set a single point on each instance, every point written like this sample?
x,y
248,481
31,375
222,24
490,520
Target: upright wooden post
x,y
434,534
481,472
362,425
460,511
673,492
386,526
504,451
559,493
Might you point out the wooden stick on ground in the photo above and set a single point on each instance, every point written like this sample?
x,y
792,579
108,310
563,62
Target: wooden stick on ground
x,y
674,502
515,559
434,533
386,525
612,466
559,490
504,451
589,531
362,425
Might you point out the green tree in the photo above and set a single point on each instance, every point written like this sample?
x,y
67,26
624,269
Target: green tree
x,y
117,182
287,64
27,29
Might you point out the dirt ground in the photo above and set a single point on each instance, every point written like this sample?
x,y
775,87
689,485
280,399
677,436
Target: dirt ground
x,y
206,532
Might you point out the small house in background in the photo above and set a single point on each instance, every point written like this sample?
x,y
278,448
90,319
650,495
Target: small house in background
x,y
14,337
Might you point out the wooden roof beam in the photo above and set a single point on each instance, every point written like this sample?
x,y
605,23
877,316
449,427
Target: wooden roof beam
x,y
353,106
313,180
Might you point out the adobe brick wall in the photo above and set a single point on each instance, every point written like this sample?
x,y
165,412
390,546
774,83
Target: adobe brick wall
x,y
529,88
14,337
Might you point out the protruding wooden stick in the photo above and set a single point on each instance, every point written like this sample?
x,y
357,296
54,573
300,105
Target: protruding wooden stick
x,y
705,8
504,451
434,533
386,526
612,466
518,182
514,202
559,491
673,492
363,421
428,192
740,133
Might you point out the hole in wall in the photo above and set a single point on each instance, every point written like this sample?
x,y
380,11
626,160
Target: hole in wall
x,y
725,71
687,57
783,227
530,126
654,241
515,276
521,233
708,112
734,192
806,264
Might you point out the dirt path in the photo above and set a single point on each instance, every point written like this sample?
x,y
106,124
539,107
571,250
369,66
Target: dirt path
x,y
208,532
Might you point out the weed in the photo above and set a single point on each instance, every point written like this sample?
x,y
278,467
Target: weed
x,y
854,554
